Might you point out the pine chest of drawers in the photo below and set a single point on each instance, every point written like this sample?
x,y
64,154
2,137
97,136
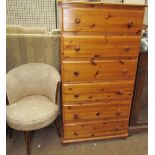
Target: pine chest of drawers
x,y
99,53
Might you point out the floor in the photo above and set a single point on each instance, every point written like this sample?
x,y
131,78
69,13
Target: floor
x,y
47,142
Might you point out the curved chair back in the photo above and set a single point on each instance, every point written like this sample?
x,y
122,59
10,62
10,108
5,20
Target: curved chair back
x,y
32,79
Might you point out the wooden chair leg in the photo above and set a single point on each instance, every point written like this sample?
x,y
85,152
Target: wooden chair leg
x,y
28,142
10,132
32,134
58,126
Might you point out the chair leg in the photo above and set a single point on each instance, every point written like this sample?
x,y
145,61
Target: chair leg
x,y
28,142
31,135
10,132
58,126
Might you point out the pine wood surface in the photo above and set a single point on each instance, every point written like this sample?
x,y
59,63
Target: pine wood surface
x,y
99,70
99,54
100,47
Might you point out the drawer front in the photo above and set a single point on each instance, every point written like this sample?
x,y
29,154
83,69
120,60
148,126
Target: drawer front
x,y
99,70
88,130
84,111
100,47
103,20
97,91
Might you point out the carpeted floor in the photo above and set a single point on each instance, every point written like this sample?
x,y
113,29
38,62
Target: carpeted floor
x,y
47,142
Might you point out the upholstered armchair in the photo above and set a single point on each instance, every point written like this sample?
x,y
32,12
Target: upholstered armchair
x,y
32,91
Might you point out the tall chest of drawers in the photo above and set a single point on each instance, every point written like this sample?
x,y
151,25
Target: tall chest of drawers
x,y
99,53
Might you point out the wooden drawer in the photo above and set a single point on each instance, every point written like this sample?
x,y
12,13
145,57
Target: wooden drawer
x,y
94,129
87,111
97,91
99,70
100,47
104,20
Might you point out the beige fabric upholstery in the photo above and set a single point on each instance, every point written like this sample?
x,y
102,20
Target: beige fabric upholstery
x,y
25,30
31,113
31,90
22,47
32,79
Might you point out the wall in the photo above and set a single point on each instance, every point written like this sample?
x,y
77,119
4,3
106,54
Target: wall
x,y
31,13
38,12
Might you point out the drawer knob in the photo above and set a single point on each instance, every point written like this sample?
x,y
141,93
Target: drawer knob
x,y
121,92
118,113
76,116
76,95
130,24
127,48
92,134
77,48
76,73
75,133
77,20
121,61
124,70
97,114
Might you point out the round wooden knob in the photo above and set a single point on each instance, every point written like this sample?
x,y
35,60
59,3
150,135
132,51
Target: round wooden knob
x,y
127,48
97,114
130,23
118,113
116,129
76,95
75,133
124,70
77,48
121,92
121,61
76,73
77,20
92,134
76,116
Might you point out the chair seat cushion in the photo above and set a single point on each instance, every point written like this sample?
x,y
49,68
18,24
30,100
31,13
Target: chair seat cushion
x,y
31,113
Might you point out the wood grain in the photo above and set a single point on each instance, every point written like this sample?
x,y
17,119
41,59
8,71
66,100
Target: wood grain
x,y
97,87
100,47
108,20
95,111
111,136
94,129
97,91
99,70
99,52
